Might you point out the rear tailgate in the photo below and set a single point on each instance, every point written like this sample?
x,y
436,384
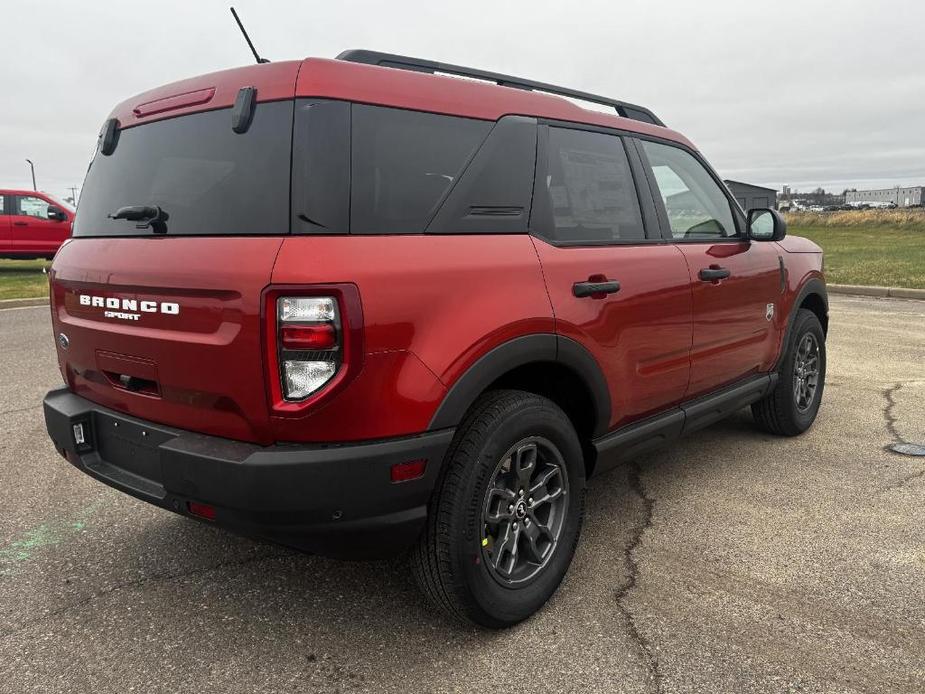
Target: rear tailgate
x,y
167,329
156,299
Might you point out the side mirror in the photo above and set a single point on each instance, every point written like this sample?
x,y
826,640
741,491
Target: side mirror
x,y
56,213
766,225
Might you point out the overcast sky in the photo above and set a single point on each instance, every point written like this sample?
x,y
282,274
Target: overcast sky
x,y
807,93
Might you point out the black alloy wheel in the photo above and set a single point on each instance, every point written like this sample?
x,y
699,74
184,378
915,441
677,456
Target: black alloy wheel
x,y
525,506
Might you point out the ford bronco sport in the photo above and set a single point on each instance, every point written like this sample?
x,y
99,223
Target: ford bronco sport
x,y
361,306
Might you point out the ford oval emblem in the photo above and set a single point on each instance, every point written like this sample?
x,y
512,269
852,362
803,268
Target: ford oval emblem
x,y
63,340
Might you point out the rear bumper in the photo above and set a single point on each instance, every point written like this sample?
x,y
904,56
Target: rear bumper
x,y
336,500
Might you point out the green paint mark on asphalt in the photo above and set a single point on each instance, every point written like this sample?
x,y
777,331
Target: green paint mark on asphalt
x,y
42,536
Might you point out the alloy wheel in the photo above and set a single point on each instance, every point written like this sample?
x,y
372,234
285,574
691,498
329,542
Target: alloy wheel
x,y
806,372
524,511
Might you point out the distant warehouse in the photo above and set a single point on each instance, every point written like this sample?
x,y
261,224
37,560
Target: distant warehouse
x,y
752,197
901,197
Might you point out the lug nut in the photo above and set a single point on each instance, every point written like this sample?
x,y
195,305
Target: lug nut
x,y
530,500
514,526
520,493
510,508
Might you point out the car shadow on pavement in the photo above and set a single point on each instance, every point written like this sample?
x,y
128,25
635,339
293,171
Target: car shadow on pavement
x,y
341,602
259,612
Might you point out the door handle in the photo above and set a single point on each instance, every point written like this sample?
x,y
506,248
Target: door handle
x,y
713,273
596,290
20,224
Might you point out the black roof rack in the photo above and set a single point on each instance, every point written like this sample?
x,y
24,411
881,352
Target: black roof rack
x,y
403,62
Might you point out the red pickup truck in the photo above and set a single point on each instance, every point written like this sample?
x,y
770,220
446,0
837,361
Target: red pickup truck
x,y
361,306
32,224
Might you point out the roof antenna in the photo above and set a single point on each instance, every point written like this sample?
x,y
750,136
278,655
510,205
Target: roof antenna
x,y
248,38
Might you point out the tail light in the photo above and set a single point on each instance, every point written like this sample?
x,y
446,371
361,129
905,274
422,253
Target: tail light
x,y
309,349
314,343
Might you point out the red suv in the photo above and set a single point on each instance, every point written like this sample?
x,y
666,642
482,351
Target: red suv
x,y
32,224
360,306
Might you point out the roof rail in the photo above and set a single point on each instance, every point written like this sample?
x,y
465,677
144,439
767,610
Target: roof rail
x,y
403,62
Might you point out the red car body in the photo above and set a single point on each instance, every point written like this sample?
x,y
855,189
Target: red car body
x,y
27,230
430,322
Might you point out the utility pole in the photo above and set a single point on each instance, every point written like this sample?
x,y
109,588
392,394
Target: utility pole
x,y
32,166
73,190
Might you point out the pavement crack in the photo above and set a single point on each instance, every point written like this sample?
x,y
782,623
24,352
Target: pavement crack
x,y
893,429
21,409
891,419
902,481
157,578
636,484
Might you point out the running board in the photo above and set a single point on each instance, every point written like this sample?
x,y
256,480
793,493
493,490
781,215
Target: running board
x,y
641,437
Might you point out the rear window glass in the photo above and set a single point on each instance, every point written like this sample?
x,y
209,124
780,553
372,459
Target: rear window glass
x,y
591,191
208,179
403,163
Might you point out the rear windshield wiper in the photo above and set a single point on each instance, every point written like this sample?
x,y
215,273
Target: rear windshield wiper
x,y
151,216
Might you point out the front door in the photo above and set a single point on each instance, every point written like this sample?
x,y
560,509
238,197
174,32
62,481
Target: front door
x,y
621,292
736,284
32,231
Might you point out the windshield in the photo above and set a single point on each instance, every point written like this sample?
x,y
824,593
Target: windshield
x,y
207,179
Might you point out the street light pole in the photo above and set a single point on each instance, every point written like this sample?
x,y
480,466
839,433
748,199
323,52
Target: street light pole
x,y
32,166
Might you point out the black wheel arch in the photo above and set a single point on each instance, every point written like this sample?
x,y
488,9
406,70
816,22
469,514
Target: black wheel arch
x,y
526,351
814,297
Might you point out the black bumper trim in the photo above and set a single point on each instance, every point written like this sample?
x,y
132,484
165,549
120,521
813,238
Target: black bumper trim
x,y
337,499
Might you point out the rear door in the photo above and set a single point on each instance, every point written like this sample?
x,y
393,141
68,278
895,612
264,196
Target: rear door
x,y
736,285
5,245
616,287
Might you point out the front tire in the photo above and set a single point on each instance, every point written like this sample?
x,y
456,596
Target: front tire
x,y
791,408
507,513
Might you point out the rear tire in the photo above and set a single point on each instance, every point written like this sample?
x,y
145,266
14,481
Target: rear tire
x,y
791,408
488,554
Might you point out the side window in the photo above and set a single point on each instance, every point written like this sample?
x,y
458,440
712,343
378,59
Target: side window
x,y
494,194
696,205
33,207
2,204
590,189
402,165
321,167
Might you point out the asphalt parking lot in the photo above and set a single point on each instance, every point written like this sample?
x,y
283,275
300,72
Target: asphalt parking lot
x,y
733,562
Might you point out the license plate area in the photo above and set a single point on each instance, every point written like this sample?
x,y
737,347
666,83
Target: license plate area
x,y
127,452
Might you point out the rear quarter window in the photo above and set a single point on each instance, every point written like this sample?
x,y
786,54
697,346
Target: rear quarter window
x,y
207,178
403,163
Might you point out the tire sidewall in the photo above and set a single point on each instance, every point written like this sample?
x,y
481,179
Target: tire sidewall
x,y
806,322
497,603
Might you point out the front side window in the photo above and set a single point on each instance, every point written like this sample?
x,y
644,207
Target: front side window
x,y
31,206
402,165
590,189
696,205
2,204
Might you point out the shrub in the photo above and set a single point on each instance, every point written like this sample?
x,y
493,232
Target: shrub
x,y
911,219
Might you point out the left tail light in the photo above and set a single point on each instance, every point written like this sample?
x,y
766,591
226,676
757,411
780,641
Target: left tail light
x,y
314,343
309,348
